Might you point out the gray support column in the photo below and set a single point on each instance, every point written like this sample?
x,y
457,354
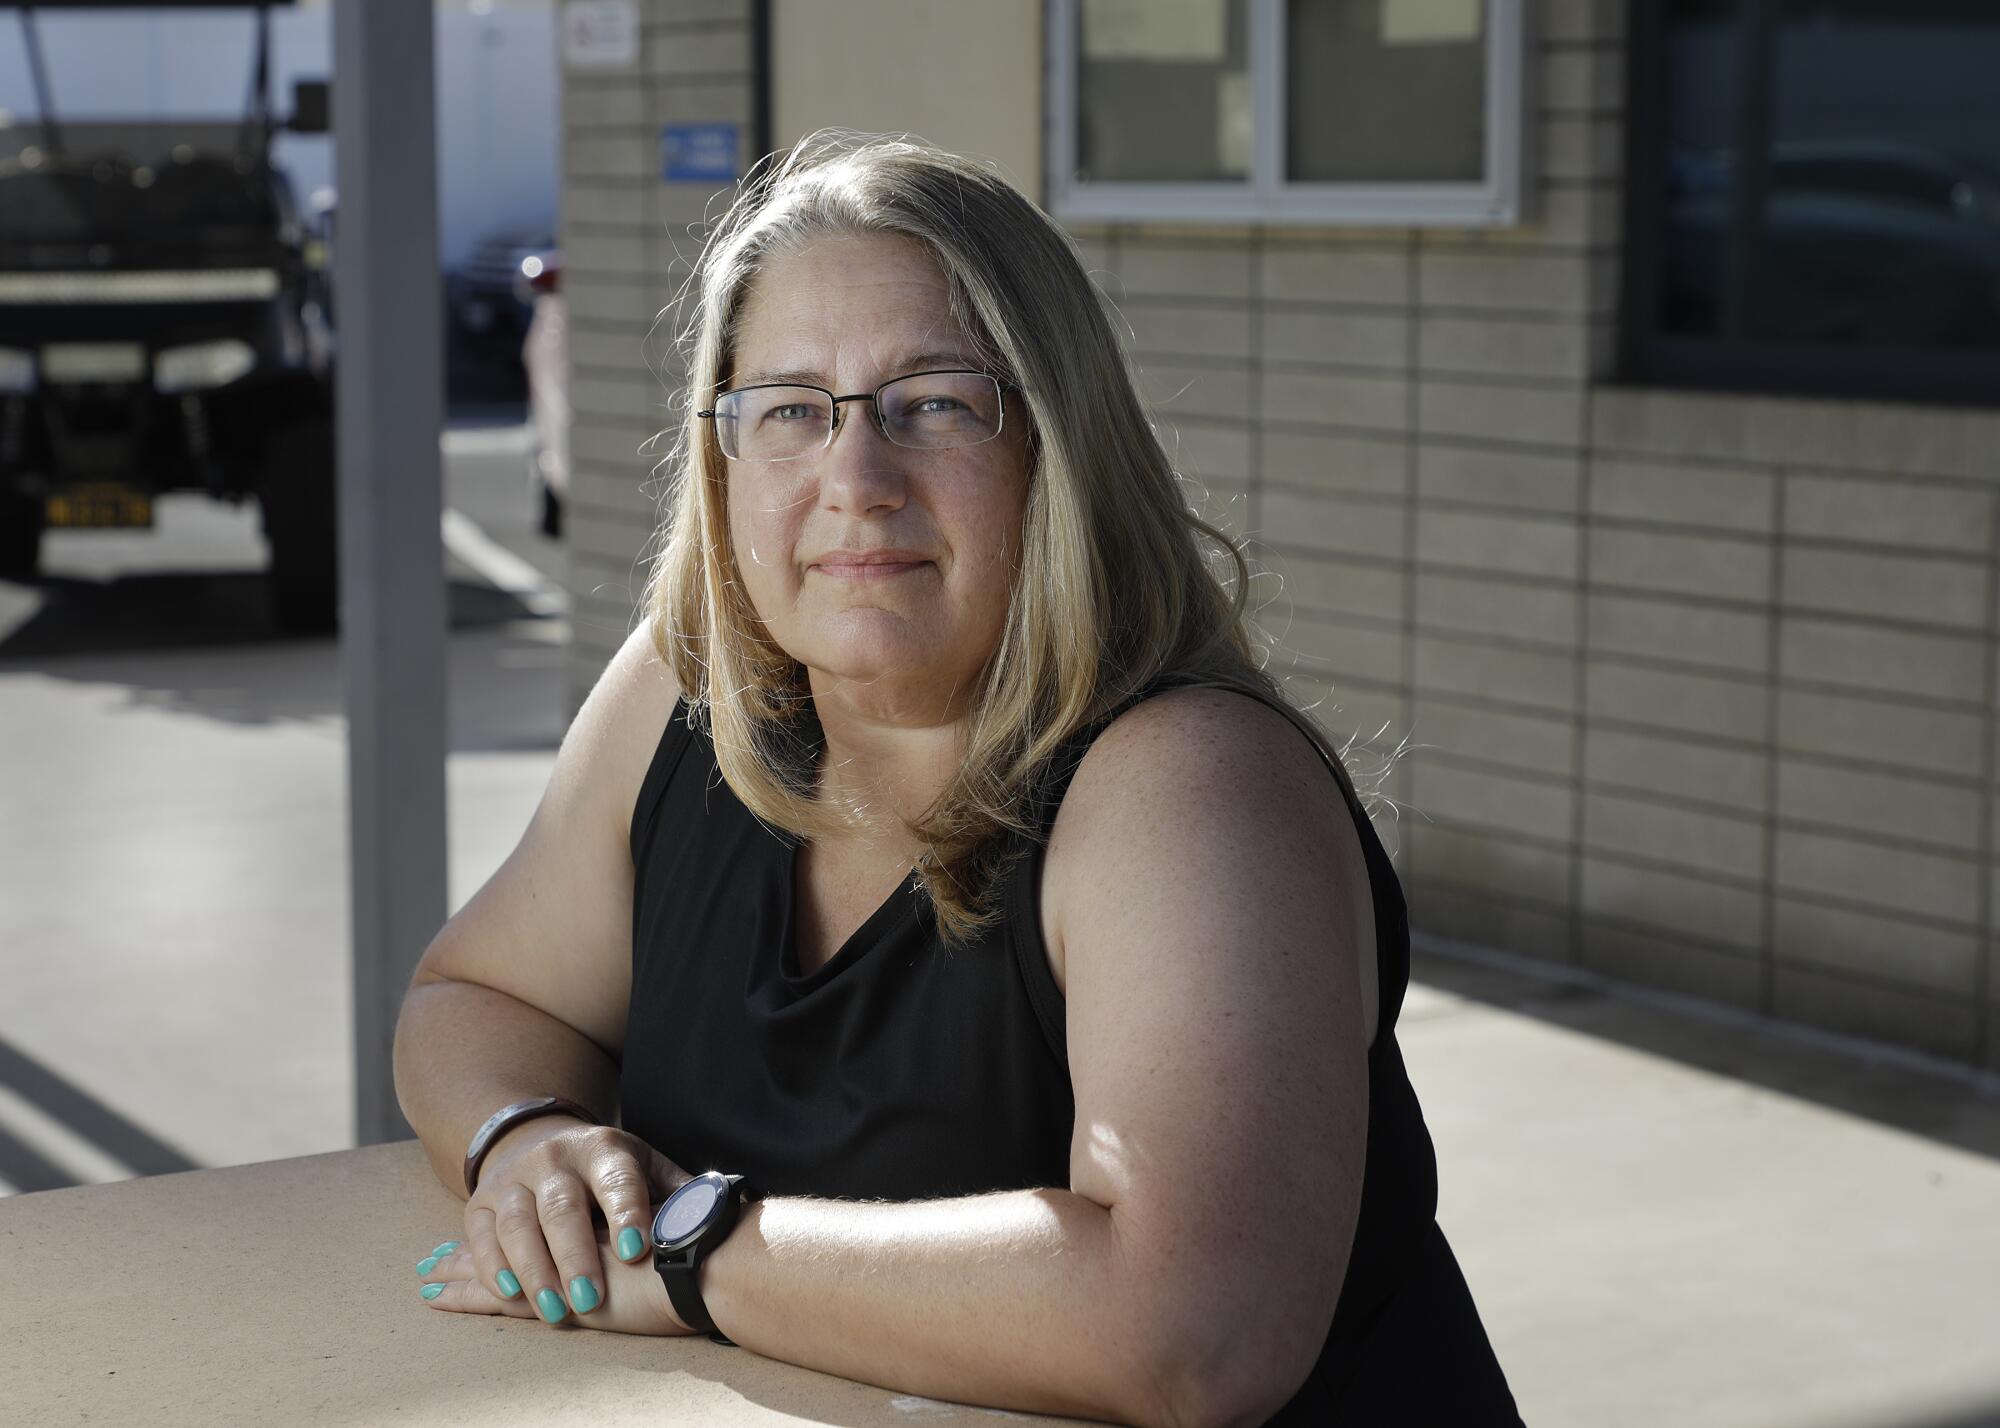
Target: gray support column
x,y
390,409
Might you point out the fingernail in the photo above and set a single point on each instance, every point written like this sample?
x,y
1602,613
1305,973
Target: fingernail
x,y
549,1305
446,1248
629,1243
425,1266
431,1291
509,1285
582,1294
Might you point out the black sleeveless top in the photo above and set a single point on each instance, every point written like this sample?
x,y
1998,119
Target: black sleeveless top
x,y
900,1071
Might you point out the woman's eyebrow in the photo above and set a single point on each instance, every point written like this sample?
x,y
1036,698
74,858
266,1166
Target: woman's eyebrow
x,y
914,362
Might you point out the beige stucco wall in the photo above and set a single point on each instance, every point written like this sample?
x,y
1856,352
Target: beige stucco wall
x,y
964,74
1703,687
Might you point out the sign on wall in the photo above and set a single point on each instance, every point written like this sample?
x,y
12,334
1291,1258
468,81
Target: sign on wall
x,y
703,153
601,34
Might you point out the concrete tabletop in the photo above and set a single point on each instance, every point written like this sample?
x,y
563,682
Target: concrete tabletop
x,y
286,1292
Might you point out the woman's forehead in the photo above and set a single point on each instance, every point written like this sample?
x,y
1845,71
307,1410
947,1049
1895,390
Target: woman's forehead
x,y
848,308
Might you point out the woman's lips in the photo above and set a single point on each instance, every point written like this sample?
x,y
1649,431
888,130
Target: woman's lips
x,y
871,572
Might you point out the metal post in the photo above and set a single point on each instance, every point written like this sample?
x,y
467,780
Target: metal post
x,y
390,407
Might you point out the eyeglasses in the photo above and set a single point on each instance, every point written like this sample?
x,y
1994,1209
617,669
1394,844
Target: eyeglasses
x,y
932,411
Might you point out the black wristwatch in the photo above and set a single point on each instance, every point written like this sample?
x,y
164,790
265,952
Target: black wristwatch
x,y
687,1227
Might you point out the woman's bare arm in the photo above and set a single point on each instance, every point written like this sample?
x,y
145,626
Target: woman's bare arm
x,y
525,991
1217,1047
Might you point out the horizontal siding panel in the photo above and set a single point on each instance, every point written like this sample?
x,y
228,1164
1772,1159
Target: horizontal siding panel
x,y
1671,903
1933,1024
1671,965
1551,415
1666,629
1877,657
1349,273
1879,731
1889,805
1727,498
1538,742
1503,347
1183,270
1342,399
1177,389
1932,589
1467,605
1541,932
1493,476
1670,562
1499,865
1518,545
1678,768
1354,338
1460,795
1885,947
1905,879
1206,330
1329,584
1540,679
1952,519
1337,525
1720,843
1717,705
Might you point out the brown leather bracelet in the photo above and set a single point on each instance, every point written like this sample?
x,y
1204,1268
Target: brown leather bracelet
x,y
505,1119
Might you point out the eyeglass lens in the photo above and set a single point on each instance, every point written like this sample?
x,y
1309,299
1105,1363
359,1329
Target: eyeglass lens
x,y
929,410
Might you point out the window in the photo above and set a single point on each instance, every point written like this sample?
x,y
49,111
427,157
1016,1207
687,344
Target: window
x,y
1815,197
1366,112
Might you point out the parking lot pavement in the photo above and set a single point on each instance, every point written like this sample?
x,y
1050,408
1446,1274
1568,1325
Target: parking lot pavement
x,y
173,934
174,986
1677,1216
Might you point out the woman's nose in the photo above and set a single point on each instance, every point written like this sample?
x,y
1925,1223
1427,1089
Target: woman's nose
x,y
860,469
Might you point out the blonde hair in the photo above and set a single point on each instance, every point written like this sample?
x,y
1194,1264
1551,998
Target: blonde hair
x,y
1112,589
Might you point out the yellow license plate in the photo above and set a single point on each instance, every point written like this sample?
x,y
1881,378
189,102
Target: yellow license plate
x,y
98,504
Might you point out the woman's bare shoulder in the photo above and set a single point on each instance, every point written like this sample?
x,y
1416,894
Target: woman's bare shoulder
x,y
1239,766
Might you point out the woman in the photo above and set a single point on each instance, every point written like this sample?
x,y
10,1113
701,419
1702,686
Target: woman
x,y
1041,984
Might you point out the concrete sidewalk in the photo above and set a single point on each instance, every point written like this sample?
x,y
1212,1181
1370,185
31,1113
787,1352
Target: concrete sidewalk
x,y
1667,1218
1676,1216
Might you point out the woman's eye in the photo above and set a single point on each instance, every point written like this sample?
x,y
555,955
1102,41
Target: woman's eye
x,y
791,411
937,404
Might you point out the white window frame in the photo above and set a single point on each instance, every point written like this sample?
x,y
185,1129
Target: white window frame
x,y
1266,196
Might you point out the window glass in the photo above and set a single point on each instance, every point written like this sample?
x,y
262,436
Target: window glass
x,y
1163,90
1833,172
1385,91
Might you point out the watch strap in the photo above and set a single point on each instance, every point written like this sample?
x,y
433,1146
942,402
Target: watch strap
x,y
505,1119
682,1275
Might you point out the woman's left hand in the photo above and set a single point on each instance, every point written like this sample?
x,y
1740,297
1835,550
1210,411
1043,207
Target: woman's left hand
x,y
633,1302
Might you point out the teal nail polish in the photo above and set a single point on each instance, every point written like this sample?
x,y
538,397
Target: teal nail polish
x,y
549,1305
446,1248
629,1243
509,1286
425,1266
582,1294
431,1291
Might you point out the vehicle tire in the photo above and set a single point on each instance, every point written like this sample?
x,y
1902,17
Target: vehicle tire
x,y
21,521
298,491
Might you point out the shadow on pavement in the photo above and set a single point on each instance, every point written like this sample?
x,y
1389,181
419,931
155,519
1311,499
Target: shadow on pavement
x,y
156,612
1880,1083
85,1117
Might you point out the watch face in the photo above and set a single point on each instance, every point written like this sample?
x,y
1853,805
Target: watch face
x,y
687,1210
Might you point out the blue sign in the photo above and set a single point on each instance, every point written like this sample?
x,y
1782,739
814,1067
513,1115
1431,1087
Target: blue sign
x,y
698,152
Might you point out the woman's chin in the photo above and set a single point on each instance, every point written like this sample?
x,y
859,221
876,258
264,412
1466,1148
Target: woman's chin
x,y
869,660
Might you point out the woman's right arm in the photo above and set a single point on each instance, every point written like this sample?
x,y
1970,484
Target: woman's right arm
x,y
525,991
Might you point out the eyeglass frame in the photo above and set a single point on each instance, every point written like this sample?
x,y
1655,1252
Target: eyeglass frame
x,y
874,400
